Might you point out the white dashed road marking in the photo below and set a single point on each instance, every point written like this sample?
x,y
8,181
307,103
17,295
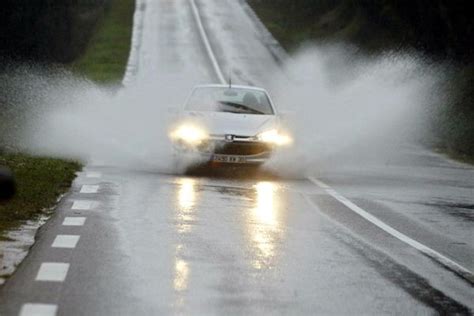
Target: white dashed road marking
x,y
89,188
74,221
93,174
37,309
52,271
82,205
65,241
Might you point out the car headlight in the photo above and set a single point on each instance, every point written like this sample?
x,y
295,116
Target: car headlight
x,y
190,134
274,137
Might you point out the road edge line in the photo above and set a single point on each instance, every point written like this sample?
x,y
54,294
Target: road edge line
x,y
207,44
273,45
131,68
461,271
458,269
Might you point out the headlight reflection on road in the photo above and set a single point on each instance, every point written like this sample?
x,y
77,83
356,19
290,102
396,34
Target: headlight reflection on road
x,y
265,210
185,208
186,194
264,229
181,276
186,201
180,282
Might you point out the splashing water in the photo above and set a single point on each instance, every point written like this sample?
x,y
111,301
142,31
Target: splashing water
x,y
348,112
344,112
71,117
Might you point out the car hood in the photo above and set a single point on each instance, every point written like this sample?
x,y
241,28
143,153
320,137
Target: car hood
x,y
220,123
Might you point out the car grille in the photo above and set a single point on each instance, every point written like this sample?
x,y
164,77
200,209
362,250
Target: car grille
x,y
235,148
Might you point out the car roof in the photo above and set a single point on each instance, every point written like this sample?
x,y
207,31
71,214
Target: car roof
x,y
226,86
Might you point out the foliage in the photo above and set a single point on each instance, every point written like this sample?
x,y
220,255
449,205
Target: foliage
x,y
107,54
47,30
441,30
39,183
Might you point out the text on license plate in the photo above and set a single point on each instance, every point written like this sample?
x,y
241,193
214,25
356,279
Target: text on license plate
x,y
227,158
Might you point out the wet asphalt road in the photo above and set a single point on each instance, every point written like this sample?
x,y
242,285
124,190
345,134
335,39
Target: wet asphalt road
x,y
151,243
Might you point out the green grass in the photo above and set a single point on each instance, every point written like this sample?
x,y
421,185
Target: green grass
x,y
454,154
469,159
40,181
106,56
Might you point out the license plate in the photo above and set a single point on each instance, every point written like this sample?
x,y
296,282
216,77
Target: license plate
x,y
228,158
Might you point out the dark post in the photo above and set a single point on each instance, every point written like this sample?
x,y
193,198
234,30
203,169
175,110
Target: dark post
x,y
7,184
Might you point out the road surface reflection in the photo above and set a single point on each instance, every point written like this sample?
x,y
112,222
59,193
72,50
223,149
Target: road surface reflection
x,y
185,215
264,225
186,202
261,217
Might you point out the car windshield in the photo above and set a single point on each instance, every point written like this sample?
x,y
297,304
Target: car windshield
x,y
234,100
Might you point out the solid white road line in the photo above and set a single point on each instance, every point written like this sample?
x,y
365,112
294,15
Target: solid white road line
x,y
205,39
74,221
37,309
450,264
93,174
132,63
52,271
65,241
445,261
89,188
82,205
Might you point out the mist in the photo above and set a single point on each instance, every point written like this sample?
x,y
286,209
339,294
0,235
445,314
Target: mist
x,y
343,112
70,117
349,111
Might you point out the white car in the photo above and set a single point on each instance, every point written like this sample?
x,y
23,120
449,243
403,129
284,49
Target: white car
x,y
229,125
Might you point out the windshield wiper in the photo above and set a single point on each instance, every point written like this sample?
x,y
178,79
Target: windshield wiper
x,y
240,106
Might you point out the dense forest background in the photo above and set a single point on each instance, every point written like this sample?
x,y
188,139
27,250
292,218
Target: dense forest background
x,y
34,35
440,30
47,30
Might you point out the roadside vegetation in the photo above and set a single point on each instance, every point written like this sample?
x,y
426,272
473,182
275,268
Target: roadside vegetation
x,y
442,31
106,57
92,38
40,181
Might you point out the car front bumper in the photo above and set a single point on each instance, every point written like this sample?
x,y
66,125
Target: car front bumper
x,y
236,159
220,151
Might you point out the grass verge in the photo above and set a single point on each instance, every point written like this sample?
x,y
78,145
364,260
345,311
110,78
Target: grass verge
x,y
40,181
106,57
456,155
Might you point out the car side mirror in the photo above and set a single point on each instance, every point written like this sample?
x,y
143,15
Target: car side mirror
x,y
7,184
